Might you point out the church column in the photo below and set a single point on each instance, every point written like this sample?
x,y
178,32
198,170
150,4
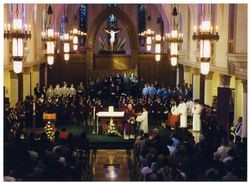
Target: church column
x,y
187,74
26,82
208,97
13,89
244,110
177,76
35,77
196,84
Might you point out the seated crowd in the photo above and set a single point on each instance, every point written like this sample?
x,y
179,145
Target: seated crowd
x,y
175,157
32,159
178,158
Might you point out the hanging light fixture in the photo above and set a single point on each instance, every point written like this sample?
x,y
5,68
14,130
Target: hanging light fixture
x,y
17,33
65,38
158,40
50,37
174,38
148,34
75,34
205,35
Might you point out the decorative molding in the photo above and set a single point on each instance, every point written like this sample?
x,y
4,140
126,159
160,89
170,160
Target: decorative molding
x,y
209,76
40,54
225,80
237,65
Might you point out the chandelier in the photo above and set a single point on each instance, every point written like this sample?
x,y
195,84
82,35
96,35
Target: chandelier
x,y
50,37
17,33
158,40
148,34
174,38
75,34
205,35
65,38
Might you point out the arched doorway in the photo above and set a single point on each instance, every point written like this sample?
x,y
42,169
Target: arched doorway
x,y
129,26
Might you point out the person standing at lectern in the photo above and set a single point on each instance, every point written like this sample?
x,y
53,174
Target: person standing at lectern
x,y
129,119
37,91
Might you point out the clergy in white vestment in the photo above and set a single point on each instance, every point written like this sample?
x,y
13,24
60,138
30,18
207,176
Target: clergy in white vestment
x,y
190,105
182,110
143,120
174,108
196,110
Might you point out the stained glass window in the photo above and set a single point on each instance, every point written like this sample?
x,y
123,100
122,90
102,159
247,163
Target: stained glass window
x,y
141,18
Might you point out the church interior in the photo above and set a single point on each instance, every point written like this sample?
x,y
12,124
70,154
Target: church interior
x,y
125,92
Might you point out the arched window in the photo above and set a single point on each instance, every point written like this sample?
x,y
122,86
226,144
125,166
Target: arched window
x,y
112,22
112,19
83,23
62,30
141,18
83,17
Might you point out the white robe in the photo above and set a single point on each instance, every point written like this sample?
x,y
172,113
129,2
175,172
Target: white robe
x,y
190,105
174,110
143,119
196,110
182,110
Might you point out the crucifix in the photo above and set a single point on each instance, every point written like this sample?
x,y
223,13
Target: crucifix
x,y
112,36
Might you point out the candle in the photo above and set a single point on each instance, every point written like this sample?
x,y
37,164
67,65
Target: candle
x,y
94,112
34,107
29,28
26,27
5,27
8,27
216,28
195,29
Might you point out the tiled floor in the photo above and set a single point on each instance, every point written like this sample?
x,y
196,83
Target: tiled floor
x,y
111,165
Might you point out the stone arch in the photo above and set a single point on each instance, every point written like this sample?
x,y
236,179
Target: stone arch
x,y
129,26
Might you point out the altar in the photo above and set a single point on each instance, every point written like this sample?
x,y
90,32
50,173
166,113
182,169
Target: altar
x,y
109,118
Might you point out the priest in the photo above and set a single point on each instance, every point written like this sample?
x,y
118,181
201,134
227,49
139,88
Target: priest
x,y
182,110
129,121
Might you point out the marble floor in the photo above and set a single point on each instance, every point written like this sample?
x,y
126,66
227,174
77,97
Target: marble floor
x,y
110,165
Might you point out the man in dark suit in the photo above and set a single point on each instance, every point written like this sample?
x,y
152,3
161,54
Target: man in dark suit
x,y
37,91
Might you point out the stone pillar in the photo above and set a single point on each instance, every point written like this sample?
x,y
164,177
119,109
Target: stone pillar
x,y
187,74
196,84
35,77
46,75
26,82
244,111
13,89
208,96
177,76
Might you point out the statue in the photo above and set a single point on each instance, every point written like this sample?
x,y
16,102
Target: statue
x,y
112,37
